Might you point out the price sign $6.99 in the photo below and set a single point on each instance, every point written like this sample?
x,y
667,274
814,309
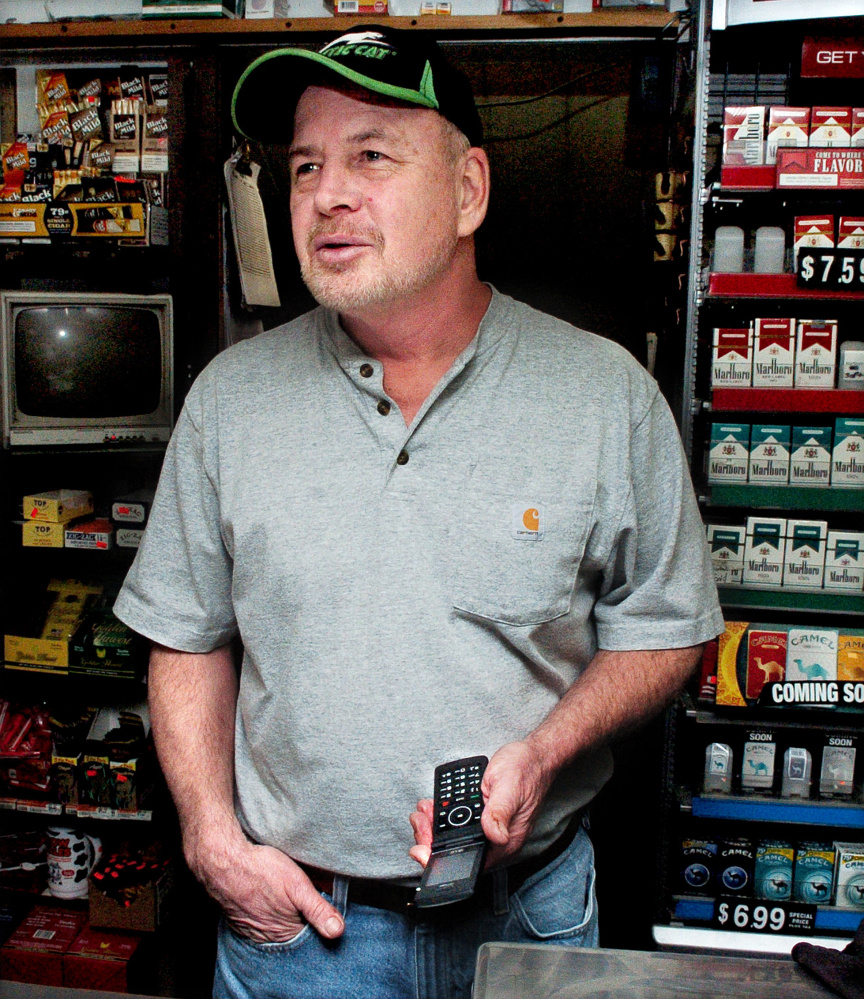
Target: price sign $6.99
x,y
831,269
763,916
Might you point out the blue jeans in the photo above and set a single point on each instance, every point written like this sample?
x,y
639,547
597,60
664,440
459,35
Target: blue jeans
x,y
385,955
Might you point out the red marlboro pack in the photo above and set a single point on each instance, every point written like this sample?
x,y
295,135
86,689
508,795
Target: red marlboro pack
x,y
813,231
857,127
744,136
787,127
766,659
850,232
830,127
732,360
816,353
774,353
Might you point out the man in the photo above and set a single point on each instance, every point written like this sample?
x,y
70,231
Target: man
x,y
442,524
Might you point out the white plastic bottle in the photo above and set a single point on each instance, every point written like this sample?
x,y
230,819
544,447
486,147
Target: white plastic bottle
x,y
728,250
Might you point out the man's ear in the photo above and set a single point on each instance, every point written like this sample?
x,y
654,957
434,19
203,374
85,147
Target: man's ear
x,y
474,190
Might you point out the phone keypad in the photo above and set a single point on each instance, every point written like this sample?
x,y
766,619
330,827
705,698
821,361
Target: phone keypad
x,y
459,801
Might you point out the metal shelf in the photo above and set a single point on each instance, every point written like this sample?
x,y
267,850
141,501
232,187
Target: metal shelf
x,y
817,498
790,400
698,938
777,598
772,286
807,813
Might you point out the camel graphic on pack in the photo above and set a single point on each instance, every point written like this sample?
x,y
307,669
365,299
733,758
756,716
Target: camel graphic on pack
x,y
813,671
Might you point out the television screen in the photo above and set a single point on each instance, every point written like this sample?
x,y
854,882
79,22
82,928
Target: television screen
x,y
87,361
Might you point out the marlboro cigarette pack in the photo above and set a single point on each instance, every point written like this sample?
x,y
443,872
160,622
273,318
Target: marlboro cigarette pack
x,y
786,127
729,455
857,127
764,551
774,353
850,232
770,451
732,359
812,654
812,232
726,545
830,127
744,136
816,353
811,456
805,553
847,458
844,562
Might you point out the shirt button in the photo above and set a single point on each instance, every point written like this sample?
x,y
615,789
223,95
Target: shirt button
x,y
402,458
383,407
366,370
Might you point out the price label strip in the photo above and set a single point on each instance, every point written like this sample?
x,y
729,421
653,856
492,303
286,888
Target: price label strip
x,y
763,916
831,269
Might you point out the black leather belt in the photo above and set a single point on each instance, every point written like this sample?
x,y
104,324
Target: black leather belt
x,y
400,898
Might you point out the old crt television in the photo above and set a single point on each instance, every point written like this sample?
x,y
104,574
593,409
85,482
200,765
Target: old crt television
x,y
86,368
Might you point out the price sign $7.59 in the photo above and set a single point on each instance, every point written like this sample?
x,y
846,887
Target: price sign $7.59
x,y
831,269
763,916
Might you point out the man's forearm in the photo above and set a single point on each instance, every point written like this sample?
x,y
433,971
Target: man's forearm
x,y
192,705
617,691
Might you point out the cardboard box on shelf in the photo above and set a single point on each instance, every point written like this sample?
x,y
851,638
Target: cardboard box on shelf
x,y
96,534
58,506
100,960
141,906
36,534
34,951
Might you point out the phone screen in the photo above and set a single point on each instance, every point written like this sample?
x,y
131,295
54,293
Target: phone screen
x,y
447,867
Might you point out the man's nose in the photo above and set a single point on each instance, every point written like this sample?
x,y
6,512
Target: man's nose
x,y
337,190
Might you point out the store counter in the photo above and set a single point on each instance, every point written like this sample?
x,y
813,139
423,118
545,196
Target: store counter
x,y
535,971
24,990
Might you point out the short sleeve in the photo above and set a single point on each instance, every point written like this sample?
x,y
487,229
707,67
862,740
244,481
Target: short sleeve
x,y
178,591
657,589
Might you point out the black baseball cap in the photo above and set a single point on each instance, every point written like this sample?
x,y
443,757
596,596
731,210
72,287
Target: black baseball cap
x,y
398,63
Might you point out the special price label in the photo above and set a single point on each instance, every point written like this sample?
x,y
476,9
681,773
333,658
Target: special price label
x,y
831,269
757,916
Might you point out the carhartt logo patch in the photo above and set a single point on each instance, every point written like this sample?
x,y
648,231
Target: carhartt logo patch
x,y
529,521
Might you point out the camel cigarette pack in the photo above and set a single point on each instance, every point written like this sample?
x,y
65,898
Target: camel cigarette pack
x,y
770,451
757,762
830,127
726,545
850,232
775,860
837,773
737,863
58,506
729,454
811,456
847,458
849,893
729,646
764,551
806,542
844,562
816,353
812,232
744,136
766,657
786,127
698,866
850,655
774,353
812,654
90,534
732,358
813,882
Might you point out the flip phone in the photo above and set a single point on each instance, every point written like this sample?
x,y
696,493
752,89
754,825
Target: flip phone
x,y
458,843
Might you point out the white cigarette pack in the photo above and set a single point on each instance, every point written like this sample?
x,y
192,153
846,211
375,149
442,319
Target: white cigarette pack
x,y
732,358
850,232
844,561
849,874
830,127
857,140
805,553
764,551
847,457
811,456
811,654
774,353
744,136
726,545
787,127
816,353
729,454
770,453
812,232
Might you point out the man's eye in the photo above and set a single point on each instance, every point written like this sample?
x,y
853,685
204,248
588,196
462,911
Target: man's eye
x,y
305,168
372,155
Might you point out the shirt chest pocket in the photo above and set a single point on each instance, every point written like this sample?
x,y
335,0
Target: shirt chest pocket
x,y
517,551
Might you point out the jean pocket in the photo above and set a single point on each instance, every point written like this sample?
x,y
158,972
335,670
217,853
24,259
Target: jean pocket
x,y
270,946
558,903
518,551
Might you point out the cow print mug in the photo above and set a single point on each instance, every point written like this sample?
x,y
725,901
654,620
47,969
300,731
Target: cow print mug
x,y
71,858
